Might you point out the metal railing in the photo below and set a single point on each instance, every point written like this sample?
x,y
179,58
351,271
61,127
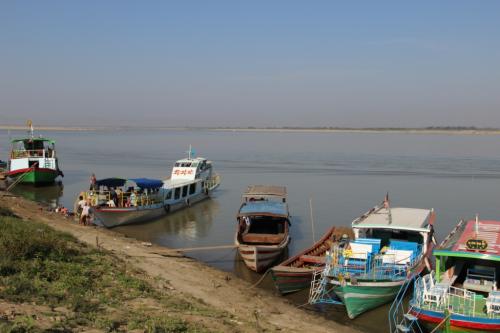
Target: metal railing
x,y
125,199
20,153
456,300
375,266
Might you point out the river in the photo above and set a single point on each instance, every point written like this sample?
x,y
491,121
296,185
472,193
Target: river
x,y
344,174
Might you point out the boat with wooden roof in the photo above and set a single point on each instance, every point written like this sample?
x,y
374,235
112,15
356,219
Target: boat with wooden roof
x,y
463,291
33,160
263,219
295,273
390,245
118,201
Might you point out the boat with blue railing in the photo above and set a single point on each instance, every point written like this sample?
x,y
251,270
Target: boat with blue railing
x,y
462,295
390,245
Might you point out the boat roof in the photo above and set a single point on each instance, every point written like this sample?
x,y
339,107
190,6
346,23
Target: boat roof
x,y
477,231
399,218
32,139
140,182
271,208
193,159
265,190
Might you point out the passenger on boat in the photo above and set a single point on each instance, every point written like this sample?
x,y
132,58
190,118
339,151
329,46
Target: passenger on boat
x,y
93,182
113,196
133,198
119,197
111,203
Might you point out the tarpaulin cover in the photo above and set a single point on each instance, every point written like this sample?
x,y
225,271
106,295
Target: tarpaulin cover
x,y
147,183
264,207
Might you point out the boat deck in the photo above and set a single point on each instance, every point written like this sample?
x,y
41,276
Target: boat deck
x,y
457,305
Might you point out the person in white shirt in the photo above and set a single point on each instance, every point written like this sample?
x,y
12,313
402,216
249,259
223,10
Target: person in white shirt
x,y
84,218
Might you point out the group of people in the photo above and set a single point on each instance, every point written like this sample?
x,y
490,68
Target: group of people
x,y
83,210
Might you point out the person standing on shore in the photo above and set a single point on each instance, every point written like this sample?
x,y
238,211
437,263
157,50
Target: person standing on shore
x,y
84,218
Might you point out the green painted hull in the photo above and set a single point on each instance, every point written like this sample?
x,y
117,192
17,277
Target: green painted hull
x,y
37,177
358,299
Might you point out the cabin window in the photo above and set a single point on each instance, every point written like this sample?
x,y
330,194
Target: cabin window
x,y
192,188
177,193
177,164
184,191
169,195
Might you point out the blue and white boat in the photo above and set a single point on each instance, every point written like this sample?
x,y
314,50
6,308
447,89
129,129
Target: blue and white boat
x,y
390,245
118,201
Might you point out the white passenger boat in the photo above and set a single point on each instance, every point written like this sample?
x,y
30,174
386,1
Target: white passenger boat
x,y
117,201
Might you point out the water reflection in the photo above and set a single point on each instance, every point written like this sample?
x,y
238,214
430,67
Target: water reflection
x,y
49,195
189,224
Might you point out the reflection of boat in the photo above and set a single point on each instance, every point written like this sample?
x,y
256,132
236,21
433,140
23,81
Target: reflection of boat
x,y
296,273
464,287
390,245
263,221
33,160
49,195
142,199
188,224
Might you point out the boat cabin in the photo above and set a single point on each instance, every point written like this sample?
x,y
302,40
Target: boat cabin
x,y
191,169
468,258
465,283
263,217
190,177
33,147
402,232
387,242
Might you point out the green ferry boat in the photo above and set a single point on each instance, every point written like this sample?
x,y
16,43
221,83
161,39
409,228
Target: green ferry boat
x,y
33,160
462,295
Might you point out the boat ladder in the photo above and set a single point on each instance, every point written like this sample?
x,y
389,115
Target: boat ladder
x,y
321,290
403,319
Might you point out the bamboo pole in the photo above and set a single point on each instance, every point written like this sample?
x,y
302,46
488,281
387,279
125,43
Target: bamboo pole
x,y
312,220
189,249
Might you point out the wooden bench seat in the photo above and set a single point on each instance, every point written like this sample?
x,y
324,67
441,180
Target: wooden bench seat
x,y
251,238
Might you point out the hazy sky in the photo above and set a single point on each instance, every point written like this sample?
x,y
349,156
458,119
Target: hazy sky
x,y
250,63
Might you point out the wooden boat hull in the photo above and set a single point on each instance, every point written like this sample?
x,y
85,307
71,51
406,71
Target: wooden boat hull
x,y
295,274
366,295
34,177
458,323
292,279
260,257
114,217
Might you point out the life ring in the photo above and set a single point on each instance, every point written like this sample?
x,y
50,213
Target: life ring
x,y
167,208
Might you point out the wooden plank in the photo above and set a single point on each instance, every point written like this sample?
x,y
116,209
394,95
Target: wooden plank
x,y
313,259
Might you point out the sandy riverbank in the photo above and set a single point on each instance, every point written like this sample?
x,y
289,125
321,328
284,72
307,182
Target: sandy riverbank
x,y
261,310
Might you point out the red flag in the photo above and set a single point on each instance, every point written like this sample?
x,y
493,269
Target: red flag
x,y
386,201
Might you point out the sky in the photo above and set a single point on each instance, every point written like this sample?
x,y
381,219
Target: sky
x,y
250,63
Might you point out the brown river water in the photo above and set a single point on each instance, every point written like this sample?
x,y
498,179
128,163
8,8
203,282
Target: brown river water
x,y
345,174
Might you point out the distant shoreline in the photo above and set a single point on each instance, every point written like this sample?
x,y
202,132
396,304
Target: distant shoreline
x,y
426,130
